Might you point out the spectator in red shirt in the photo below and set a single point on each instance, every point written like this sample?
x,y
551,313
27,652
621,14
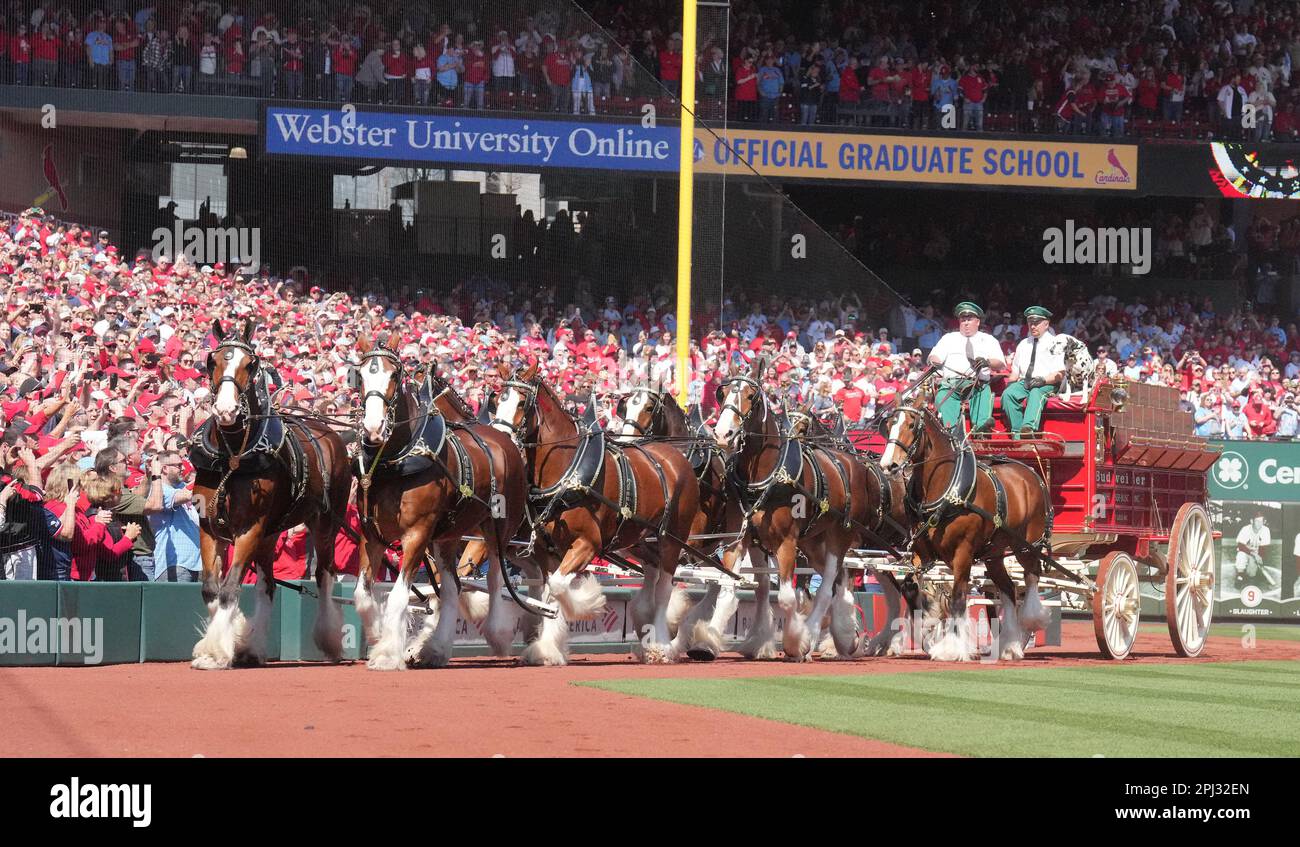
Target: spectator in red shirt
x,y
1147,97
291,65
1173,88
234,56
1259,416
20,55
477,72
395,72
343,58
99,547
558,71
670,66
851,400
45,55
747,90
974,89
879,80
1114,100
125,43
921,79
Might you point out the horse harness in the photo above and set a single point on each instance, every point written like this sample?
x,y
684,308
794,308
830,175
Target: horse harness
x,y
787,474
263,445
959,494
581,480
420,453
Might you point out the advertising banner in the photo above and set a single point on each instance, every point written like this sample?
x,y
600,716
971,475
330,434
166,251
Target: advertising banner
x,y
1255,504
531,144
956,159
1257,470
448,139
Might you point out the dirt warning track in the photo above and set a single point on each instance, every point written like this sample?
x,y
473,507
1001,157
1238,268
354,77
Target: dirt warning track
x,y
491,707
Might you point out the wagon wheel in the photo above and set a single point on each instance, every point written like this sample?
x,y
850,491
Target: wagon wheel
x,y
1189,580
1116,605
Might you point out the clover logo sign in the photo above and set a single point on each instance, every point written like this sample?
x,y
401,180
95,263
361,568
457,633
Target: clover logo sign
x,y
1231,470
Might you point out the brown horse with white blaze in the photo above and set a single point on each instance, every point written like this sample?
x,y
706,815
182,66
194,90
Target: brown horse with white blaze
x,y
970,512
798,499
592,496
257,474
424,485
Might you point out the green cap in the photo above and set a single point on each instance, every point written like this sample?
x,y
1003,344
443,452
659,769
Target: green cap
x,y
1038,312
966,307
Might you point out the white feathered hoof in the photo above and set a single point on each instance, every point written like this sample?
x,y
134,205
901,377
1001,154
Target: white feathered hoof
x,y
660,654
539,655
797,651
826,649
706,643
581,597
759,645
208,662
384,658
897,644
952,647
1012,651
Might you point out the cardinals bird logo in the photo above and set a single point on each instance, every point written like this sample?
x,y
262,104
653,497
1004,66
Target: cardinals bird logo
x,y
1114,162
52,178
1118,173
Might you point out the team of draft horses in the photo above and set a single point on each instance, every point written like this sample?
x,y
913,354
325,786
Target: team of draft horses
x,y
548,491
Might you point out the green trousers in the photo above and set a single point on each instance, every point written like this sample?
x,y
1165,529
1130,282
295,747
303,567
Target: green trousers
x,y
1024,407
981,402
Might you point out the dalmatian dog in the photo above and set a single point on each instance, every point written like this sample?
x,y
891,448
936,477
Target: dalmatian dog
x,y
1080,367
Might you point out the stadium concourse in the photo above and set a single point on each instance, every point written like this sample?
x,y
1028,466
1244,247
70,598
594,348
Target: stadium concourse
x,y
104,368
1164,67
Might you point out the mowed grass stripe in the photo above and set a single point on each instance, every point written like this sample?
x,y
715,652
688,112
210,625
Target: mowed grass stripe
x,y
1263,632
1192,693
1110,710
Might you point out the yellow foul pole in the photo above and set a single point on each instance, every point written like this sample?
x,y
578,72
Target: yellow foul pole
x,y
685,201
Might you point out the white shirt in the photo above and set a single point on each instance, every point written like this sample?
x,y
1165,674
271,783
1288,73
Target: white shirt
x,y
1045,363
1225,99
503,60
951,351
1253,540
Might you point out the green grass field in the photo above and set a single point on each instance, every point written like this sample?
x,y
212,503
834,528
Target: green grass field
x,y
1218,709
1263,631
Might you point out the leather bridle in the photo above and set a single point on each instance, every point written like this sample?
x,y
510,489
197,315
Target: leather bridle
x,y
744,416
254,364
372,357
517,430
655,402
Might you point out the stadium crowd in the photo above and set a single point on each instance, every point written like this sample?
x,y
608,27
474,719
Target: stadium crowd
x,y
1095,66
103,376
